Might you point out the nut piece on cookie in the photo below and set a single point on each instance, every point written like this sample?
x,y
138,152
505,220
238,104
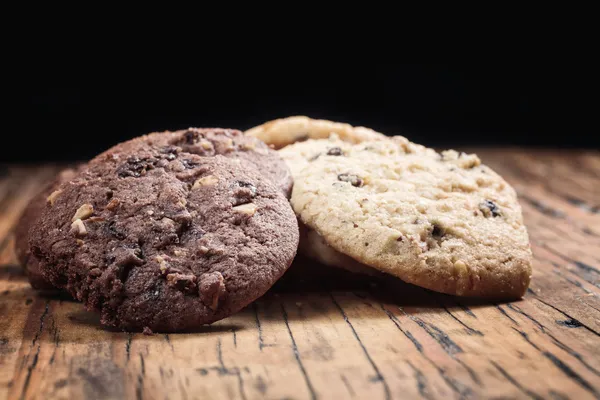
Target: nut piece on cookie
x,y
83,212
78,228
212,287
205,181
248,209
53,196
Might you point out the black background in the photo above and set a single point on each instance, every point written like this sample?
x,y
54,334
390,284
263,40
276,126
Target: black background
x,y
63,118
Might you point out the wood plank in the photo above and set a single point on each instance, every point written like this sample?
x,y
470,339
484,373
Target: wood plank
x,y
321,333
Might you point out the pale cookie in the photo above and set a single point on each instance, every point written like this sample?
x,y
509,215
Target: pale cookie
x,y
299,155
285,131
312,245
441,221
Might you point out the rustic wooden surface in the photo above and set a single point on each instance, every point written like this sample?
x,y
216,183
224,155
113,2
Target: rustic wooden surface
x,y
322,334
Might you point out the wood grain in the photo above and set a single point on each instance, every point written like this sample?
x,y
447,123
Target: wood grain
x,y
321,333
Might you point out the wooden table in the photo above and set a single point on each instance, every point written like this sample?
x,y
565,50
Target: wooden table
x,y
324,334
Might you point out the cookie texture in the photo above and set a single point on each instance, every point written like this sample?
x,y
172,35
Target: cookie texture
x,y
285,131
158,238
231,143
443,221
299,155
28,220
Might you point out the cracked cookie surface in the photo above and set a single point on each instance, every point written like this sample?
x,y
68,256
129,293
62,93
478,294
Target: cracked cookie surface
x,y
442,221
155,237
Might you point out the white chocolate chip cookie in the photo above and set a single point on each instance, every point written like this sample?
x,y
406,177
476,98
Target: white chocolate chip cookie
x,y
441,221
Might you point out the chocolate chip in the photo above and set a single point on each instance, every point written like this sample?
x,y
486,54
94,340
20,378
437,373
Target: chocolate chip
x,y
191,137
189,164
334,151
113,231
353,179
171,152
243,192
247,185
437,231
136,167
489,208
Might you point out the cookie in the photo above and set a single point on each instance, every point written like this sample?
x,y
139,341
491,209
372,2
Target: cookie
x,y
26,221
314,246
443,221
157,238
232,143
299,155
285,131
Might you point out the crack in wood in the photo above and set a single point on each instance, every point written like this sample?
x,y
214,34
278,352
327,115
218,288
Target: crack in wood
x,y
506,315
541,207
437,334
311,389
261,342
575,323
587,270
459,388
223,370
572,282
529,317
378,376
515,383
466,309
564,368
168,340
347,384
557,342
469,330
55,338
128,345
421,381
35,359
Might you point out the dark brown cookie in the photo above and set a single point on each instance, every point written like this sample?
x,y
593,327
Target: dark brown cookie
x,y
156,237
232,143
26,221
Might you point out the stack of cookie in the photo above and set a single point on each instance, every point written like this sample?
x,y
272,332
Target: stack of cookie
x,y
173,230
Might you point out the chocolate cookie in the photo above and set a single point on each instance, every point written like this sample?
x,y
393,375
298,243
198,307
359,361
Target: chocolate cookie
x,y
155,237
26,221
232,143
